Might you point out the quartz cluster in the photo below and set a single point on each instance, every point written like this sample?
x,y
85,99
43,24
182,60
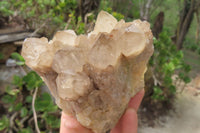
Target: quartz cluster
x,y
93,77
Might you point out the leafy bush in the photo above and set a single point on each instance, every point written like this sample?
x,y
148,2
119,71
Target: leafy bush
x,y
198,51
192,47
165,62
5,8
79,27
105,5
41,14
17,101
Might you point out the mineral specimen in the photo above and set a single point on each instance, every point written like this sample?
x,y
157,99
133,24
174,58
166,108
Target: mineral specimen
x,y
93,77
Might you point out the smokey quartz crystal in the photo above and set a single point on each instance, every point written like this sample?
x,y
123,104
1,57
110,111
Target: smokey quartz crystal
x,y
93,77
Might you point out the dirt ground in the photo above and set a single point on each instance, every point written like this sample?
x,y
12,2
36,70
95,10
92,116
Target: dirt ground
x,y
186,115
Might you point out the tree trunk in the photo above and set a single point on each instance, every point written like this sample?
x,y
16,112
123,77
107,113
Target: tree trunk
x,y
185,20
158,25
145,9
86,6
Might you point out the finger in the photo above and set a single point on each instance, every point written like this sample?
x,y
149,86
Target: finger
x,y
136,100
71,125
129,121
133,105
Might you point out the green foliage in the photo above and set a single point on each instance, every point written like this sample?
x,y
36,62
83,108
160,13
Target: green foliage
x,y
127,10
4,123
198,50
51,120
8,99
105,5
11,91
118,16
79,27
1,56
18,81
18,100
17,56
166,61
193,47
158,93
32,80
45,104
23,112
36,13
4,8
19,59
26,130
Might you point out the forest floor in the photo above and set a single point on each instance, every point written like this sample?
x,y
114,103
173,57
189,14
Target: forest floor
x,y
185,116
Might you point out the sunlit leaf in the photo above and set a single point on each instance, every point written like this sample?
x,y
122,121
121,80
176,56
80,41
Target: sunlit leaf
x,y
8,99
17,80
25,130
28,99
4,123
32,80
52,121
23,112
11,91
18,106
17,56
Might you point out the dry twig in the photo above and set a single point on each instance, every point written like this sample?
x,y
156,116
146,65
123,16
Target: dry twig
x,y
68,22
34,112
12,125
37,30
23,120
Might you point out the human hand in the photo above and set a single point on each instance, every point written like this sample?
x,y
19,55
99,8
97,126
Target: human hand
x,y
127,124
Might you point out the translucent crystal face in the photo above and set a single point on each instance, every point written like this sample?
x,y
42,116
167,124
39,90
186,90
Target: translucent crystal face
x,y
93,77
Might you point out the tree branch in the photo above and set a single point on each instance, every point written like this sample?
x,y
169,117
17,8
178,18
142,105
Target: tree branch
x,y
147,7
155,4
36,31
185,25
12,125
141,9
68,22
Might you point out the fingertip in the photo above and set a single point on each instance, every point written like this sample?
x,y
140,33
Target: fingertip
x,y
136,100
141,93
70,125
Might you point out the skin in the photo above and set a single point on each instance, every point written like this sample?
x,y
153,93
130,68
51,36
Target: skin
x,y
127,124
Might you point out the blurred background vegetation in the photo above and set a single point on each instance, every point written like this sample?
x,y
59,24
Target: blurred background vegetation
x,y
176,60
